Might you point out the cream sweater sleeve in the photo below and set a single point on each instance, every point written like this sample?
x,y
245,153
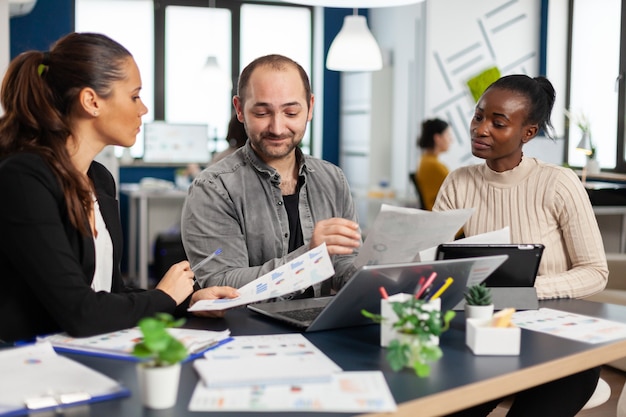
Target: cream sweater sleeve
x,y
541,203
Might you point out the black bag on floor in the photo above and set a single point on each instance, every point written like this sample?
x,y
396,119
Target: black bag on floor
x,y
168,250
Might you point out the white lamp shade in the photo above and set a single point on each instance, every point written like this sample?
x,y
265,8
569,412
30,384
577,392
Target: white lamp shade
x,y
354,48
351,4
585,145
213,76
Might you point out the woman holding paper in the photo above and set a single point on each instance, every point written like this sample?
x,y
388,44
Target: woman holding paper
x,y
61,235
540,203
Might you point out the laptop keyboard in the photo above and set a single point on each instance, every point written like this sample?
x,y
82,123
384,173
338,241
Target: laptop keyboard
x,y
304,315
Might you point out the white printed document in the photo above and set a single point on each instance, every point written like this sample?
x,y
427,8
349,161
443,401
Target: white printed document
x,y
35,377
400,233
500,236
307,269
346,392
267,359
570,325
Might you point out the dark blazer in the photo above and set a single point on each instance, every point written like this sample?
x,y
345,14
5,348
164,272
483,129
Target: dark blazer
x,y
46,265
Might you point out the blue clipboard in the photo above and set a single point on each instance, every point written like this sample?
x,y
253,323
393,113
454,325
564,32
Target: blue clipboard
x,y
129,357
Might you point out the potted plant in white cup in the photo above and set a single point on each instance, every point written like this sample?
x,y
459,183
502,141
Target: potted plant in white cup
x,y
158,374
418,328
478,302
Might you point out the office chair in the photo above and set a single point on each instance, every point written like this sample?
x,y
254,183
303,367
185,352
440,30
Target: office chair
x,y
413,181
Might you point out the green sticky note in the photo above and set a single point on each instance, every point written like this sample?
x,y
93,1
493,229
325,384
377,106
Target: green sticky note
x,y
479,83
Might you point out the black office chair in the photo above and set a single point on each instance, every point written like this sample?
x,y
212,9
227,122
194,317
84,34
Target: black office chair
x,y
413,180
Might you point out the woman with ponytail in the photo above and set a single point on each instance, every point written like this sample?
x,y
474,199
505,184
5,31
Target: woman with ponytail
x,y
61,238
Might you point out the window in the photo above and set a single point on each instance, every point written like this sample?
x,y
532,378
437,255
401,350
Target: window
x,y
130,23
594,69
197,67
277,30
173,40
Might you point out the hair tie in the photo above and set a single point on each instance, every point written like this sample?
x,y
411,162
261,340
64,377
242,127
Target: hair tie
x,y
45,62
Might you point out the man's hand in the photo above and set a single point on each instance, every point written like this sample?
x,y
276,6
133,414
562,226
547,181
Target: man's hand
x,y
212,293
341,236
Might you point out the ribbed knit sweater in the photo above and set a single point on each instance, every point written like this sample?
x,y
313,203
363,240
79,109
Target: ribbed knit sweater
x,y
540,203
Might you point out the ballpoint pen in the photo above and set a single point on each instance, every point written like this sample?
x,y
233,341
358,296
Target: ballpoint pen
x,y
205,260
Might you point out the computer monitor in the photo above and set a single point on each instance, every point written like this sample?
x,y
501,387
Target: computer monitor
x,y
179,143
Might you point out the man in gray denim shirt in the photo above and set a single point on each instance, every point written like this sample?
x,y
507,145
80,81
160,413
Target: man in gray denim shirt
x,y
268,203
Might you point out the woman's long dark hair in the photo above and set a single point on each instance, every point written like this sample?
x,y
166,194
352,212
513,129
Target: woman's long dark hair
x,y
39,94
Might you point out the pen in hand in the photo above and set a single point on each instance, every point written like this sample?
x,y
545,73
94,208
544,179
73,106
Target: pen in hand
x,y
205,260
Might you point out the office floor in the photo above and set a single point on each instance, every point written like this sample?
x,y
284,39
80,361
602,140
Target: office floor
x,y
614,377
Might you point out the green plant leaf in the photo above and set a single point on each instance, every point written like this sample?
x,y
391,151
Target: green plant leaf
x,y
421,369
157,343
478,295
174,353
141,351
377,318
397,355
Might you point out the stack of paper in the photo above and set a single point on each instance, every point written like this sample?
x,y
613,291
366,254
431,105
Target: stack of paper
x,y
267,359
120,344
284,372
346,392
34,377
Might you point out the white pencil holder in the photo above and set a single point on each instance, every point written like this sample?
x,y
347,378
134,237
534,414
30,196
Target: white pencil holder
x,y
387,332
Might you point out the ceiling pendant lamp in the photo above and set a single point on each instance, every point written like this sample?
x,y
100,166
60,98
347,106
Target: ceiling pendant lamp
x,y
354,48
350,4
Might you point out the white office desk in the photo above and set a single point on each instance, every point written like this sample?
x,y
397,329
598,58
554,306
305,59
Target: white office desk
x,y
140,201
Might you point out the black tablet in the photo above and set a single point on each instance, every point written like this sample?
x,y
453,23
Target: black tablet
x,y
519,270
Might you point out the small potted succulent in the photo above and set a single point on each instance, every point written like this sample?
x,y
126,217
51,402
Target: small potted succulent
x,y
418,328
478,302
161,353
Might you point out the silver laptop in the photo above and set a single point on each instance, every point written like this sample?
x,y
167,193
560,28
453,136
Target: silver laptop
x,y
362,291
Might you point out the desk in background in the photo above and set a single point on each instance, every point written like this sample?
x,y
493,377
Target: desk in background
x,y
142,205
457,381
608,198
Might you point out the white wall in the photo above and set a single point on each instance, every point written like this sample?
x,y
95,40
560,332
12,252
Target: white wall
x,y
398,31
436,46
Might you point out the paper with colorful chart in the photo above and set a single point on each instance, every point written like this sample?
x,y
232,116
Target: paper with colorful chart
x,y
36,378
265,359
570,325
346,392
310,268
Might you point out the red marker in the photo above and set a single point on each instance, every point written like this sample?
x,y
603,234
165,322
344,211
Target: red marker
x,y
383,293
420,285
427,284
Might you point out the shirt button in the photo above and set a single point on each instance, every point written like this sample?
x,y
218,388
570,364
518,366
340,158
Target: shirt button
x,y
286,235
280,203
